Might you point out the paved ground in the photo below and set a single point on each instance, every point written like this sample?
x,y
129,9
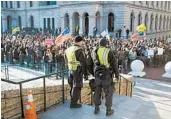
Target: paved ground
x,y
156,73
151,100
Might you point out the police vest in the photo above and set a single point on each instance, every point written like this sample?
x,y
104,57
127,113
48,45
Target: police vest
x,y
72,61
103,56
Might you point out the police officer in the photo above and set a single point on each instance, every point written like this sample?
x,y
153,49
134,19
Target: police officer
x,y
104,57
77,67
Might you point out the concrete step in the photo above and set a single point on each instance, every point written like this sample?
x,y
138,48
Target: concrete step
x,y
151,100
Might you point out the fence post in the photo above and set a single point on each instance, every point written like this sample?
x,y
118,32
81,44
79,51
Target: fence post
x,y
63,88
119,84
21,99
44,88
131,90
126,87
7,73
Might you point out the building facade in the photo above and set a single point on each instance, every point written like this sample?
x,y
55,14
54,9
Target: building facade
x,y
110,15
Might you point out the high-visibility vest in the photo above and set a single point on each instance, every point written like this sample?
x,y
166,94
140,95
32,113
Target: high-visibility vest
x,y
72,61
103,56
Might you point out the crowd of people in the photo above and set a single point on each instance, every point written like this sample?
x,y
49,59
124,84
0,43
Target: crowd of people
x,y
31,50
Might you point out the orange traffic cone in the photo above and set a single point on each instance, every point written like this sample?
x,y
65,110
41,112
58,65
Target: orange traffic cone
x,y
30,112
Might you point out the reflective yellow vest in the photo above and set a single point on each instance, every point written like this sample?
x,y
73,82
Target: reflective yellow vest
x,y
103,56
72,61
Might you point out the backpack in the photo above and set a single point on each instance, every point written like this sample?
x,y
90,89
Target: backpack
x,y
100,72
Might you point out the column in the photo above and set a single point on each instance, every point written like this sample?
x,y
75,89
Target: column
x,y
4,24
80,25
101,25
92,24
70,25
98,24
62,23
105,22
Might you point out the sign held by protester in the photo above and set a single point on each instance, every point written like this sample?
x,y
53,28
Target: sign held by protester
x,y
169,40
150,52
104,33
49,42
160,51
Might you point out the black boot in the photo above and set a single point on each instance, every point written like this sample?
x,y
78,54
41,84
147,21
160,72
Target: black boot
x,y
109,111
96,110
75,105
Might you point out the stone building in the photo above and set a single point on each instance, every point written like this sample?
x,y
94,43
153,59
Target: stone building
x,y
110,15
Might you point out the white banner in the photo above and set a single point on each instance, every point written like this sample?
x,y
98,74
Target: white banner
x,y
150,52
169,40
104,33
160,51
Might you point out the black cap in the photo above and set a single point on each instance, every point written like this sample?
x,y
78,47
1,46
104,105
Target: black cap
x,y
103,42
78,39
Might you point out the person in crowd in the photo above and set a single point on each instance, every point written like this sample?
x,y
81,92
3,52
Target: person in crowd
x,y
127,33
132,55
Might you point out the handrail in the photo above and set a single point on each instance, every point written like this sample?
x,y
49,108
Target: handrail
x,y
44,88
127,80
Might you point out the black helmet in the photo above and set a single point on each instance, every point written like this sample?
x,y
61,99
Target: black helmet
x,y
103,42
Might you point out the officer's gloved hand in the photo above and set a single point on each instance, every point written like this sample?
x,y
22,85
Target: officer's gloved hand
x,y
97,62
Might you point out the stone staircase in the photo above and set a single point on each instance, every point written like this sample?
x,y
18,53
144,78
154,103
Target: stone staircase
x,y
151,100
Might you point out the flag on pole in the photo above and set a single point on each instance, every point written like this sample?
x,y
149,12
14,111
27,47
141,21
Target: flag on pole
x,y
14,30
64,36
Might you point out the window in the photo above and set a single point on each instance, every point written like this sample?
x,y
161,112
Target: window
x,y
157,4
165,5
44,3
11,4
52,2
44,22
164,22
8,22
139,19
53,23
32,22
169,5
48,20
161,4
167,27
48,2
2,5
146,21
18,4
152,3
111,22
156,23
160,22
6,3
19,21
170,22
31,4
151,22
132,22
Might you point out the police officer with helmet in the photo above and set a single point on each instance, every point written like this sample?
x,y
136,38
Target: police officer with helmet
x,y
75,57
105,67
